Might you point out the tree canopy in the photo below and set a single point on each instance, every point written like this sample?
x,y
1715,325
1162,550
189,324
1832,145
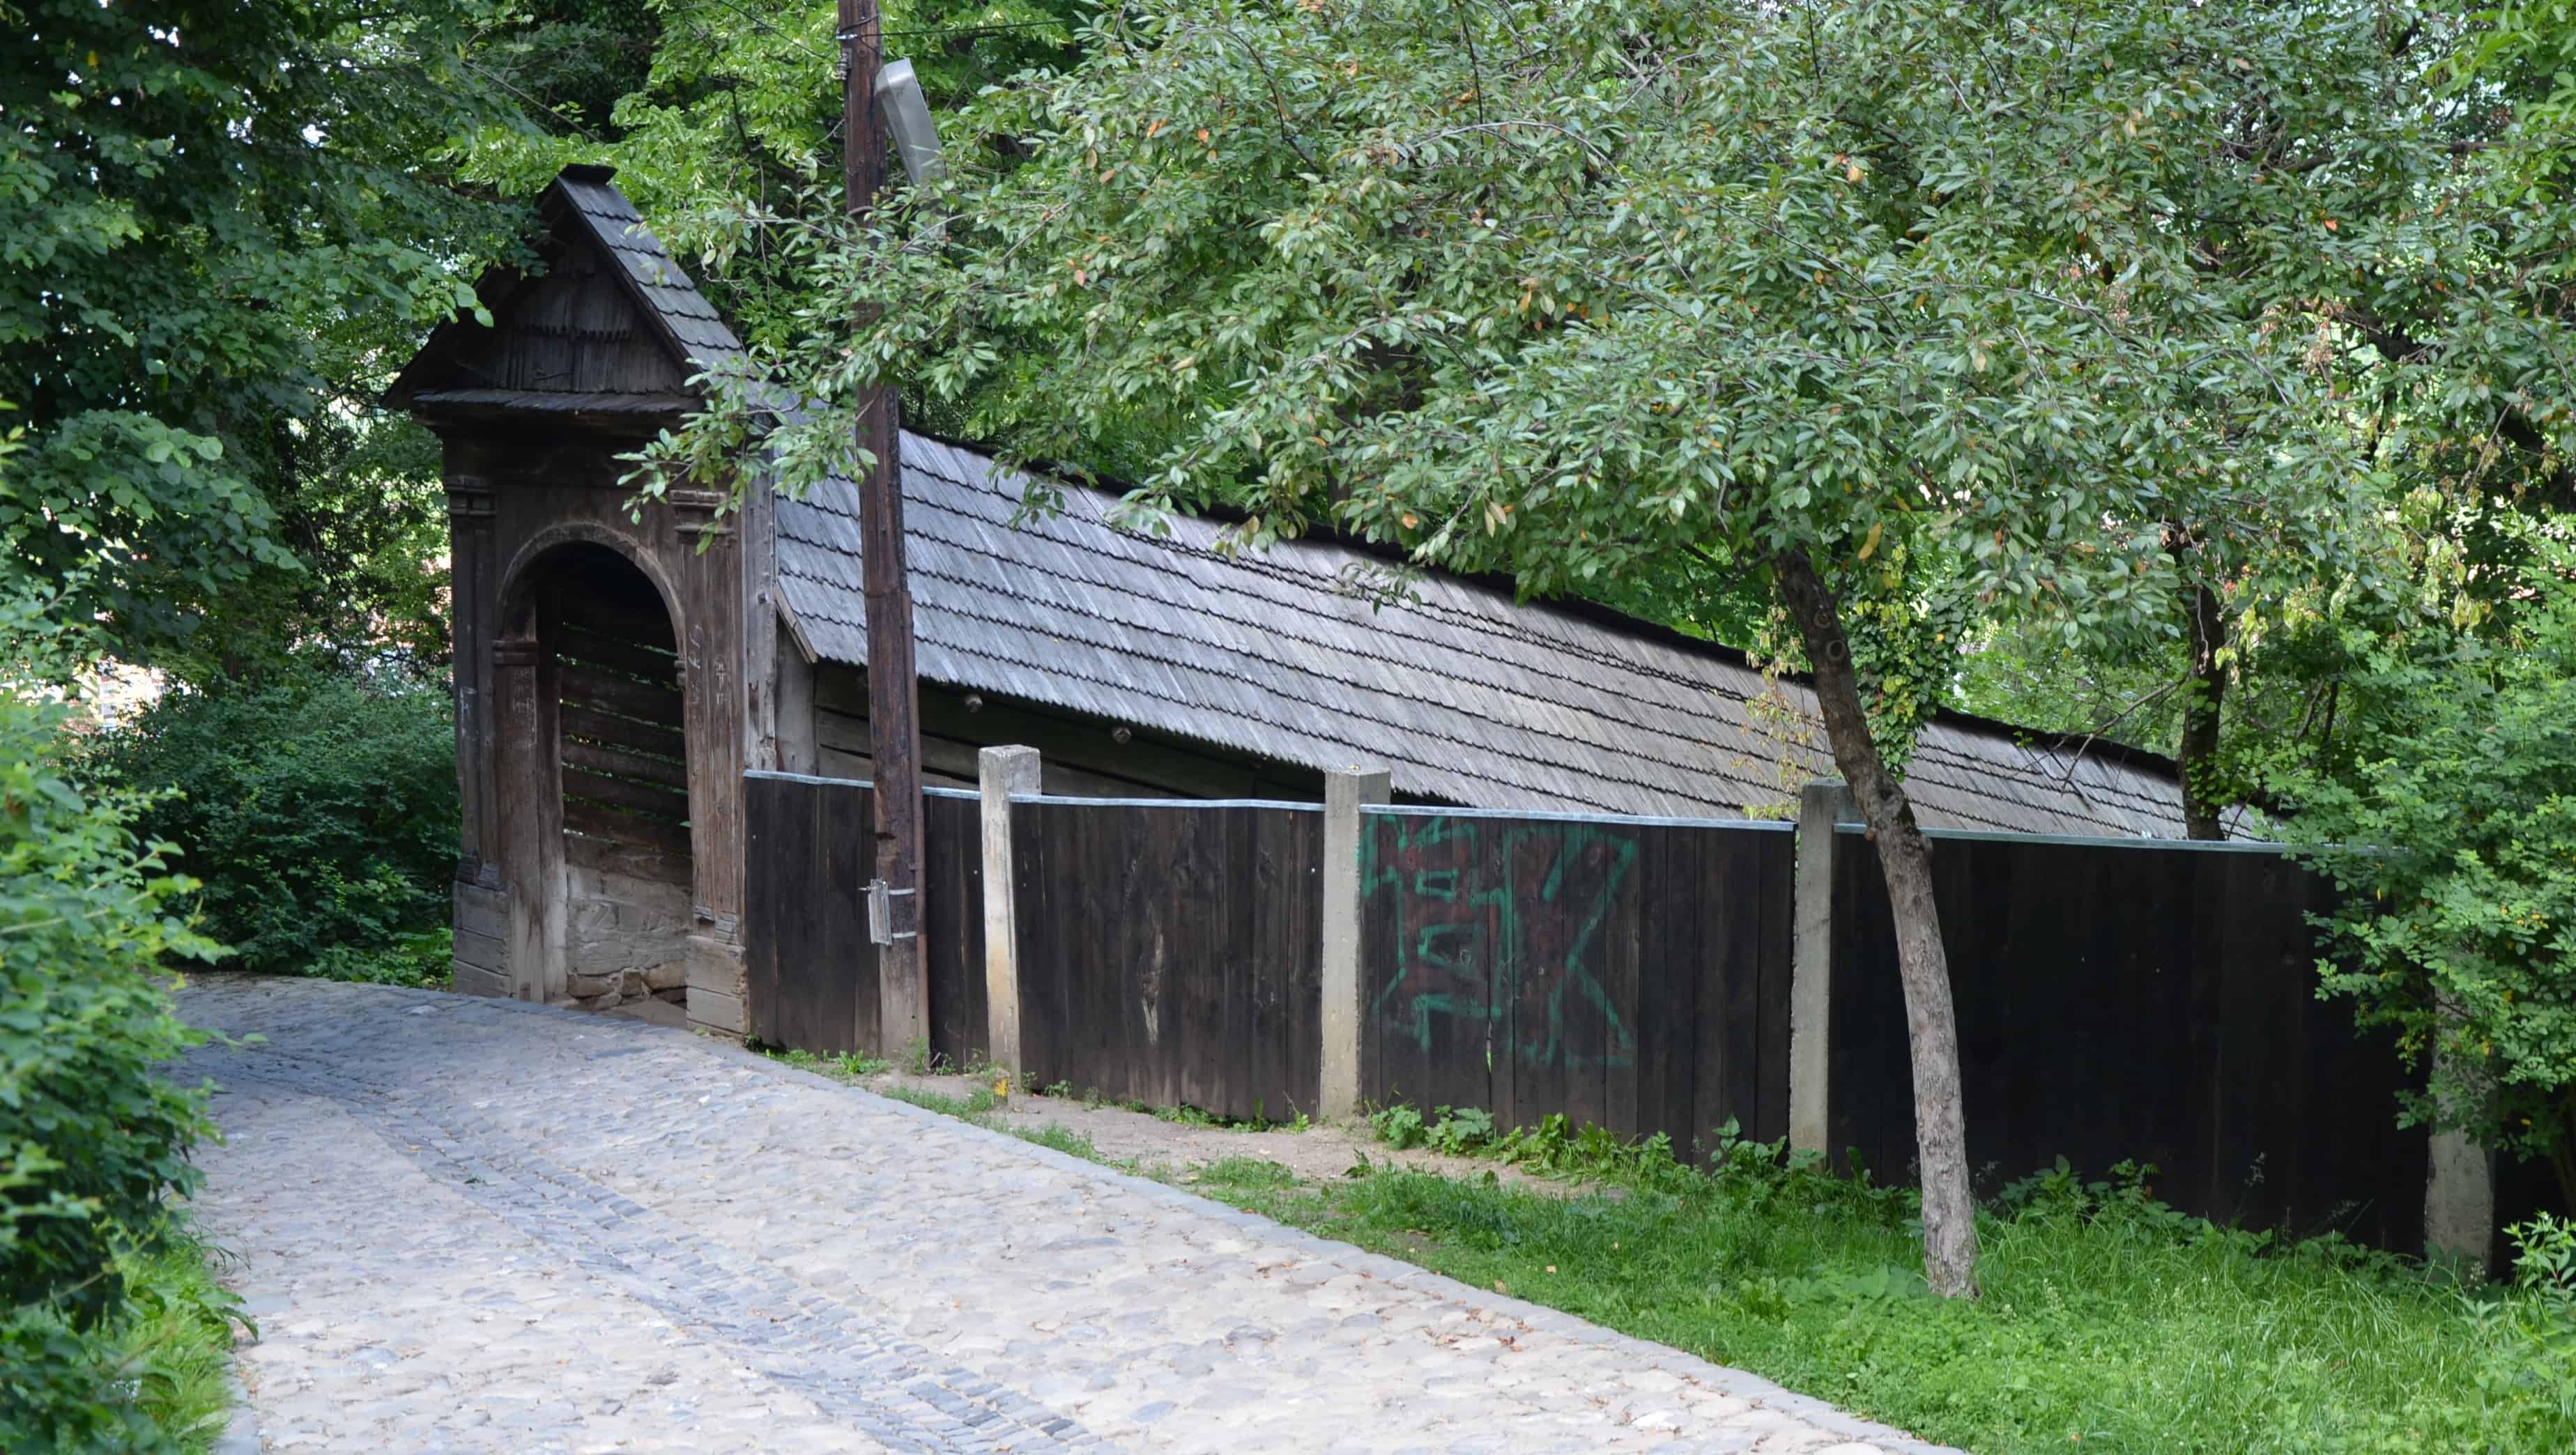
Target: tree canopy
x,y
219,236
2169,341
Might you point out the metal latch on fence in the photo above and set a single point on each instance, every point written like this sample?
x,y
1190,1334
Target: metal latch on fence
x,y
881,897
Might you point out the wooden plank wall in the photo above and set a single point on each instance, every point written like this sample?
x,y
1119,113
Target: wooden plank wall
x,y
1171,955
1622,972
625,752
2135,1001
812,973
1078,755
952,954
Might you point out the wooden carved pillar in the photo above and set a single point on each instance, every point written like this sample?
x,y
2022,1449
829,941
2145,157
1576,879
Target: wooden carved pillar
x,y
530,796
469,545
760,679
481,960
718,709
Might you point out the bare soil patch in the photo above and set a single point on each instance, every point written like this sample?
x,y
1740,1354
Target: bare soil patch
x,y
1175,1144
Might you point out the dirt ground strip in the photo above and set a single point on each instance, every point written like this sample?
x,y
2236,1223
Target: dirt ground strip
x,y
1169,1144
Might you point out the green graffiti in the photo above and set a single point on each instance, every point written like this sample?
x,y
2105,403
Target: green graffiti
x,y
1499,930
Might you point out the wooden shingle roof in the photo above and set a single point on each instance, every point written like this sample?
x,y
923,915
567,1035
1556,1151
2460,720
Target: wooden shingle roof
x,y
1464,694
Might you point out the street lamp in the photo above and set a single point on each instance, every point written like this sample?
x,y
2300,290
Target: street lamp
x,y
907,115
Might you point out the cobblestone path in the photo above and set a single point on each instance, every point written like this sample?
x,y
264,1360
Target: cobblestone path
x,y
479,1225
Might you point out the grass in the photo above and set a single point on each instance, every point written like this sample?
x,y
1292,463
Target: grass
x,y
2108,1321
976,1106
847,1066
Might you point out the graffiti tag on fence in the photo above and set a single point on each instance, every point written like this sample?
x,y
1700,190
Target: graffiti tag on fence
x,y
1498,925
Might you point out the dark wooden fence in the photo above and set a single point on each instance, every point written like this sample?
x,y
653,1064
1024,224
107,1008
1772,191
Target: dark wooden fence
x,y
952,932
809,845
813,974
2117,1000
1625,972
1168,950
2131,1000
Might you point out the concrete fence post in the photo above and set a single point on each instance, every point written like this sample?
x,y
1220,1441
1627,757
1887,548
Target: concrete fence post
x,y
999,773
2459,1196
1821,806
1344,793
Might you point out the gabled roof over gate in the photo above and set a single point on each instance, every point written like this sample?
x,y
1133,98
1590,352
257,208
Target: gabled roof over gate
x,y
1464,694
610,327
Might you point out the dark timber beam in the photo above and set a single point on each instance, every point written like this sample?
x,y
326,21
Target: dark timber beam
x,y
894,716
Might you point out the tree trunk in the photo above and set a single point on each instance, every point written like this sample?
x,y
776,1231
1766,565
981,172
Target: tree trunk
x,y
1905,859
2197,757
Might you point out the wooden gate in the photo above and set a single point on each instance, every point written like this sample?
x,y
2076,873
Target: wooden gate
x,y
625,756
811,973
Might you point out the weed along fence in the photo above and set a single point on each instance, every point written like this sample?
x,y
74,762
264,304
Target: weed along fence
x,y
2117,999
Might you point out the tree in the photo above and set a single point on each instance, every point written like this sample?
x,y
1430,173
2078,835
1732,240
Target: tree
x,y
1881,303
2454,841
219,235
732,111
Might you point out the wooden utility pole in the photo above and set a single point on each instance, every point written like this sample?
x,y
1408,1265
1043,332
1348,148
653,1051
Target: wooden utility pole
x,y
894,707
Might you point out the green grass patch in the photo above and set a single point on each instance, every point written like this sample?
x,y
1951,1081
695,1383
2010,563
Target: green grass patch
x,y
1061,1138
977,1107
970,1107
847,1066
2108,1321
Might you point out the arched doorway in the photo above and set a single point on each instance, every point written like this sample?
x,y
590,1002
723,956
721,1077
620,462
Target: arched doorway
x,y
606,774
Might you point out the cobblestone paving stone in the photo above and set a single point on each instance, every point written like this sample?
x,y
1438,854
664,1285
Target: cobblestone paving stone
x,y
480,1225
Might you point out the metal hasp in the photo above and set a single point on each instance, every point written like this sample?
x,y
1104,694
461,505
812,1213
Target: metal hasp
x,y
881,898
894,692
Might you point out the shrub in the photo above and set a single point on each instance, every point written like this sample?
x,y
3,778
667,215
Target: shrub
x,y
92,1141
320,810
152,1377
2454,840
2530,1374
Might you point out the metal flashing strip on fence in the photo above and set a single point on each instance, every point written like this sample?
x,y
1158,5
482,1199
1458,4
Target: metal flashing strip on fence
x,y
2084,841
928,790
1623,820
1050,800
772,776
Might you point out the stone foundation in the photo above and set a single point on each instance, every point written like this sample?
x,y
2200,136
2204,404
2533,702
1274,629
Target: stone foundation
x,y
482,919
625,938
